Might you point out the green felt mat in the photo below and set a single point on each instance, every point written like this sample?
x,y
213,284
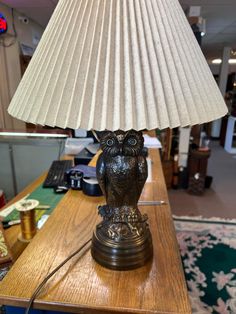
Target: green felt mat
x,y
45,197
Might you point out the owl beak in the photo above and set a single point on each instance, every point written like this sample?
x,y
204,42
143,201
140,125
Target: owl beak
x,y
121,151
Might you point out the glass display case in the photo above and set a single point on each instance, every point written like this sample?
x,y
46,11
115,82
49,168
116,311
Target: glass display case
x,y
24,156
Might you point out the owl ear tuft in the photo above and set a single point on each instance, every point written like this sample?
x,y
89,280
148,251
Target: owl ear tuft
x,y
133,132
101,134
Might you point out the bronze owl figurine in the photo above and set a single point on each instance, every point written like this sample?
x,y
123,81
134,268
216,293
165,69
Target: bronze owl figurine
x,y
122,167
122,240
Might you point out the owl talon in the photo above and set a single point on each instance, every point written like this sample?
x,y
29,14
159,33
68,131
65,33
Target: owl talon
x,y
104,211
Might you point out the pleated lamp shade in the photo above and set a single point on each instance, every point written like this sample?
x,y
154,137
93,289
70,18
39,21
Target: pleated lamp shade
x,y
118,64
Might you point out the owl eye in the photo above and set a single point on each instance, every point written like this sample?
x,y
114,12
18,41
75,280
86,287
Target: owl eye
x,y
132,141
110,142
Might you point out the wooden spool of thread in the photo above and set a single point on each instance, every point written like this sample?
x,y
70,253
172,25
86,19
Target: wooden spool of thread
x,y
26,209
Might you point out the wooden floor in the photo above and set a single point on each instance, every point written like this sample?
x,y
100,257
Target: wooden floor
x,y
220,199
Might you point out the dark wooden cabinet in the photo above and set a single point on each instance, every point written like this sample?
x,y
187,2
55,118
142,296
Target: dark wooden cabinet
x,y
197,171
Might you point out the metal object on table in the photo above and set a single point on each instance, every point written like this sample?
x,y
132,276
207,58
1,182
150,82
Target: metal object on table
x,y
151,203
122,240
26,209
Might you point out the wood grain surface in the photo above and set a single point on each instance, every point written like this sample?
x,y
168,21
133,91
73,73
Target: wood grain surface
x,y
82,286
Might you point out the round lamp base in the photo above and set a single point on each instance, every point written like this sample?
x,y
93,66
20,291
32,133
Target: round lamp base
x,y
124,254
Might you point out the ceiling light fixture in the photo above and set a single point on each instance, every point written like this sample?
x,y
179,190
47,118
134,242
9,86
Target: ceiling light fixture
x,y
233,53
219,61
216,61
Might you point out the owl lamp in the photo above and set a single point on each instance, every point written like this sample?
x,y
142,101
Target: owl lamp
x,y
118,66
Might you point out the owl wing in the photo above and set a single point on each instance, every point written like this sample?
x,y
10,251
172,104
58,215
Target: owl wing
x,y
142,173
100,170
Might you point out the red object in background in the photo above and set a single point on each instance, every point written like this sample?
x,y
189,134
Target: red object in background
x,y
3,24
2,199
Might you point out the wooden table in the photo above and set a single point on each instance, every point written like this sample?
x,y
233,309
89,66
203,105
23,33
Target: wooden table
x,y
82,286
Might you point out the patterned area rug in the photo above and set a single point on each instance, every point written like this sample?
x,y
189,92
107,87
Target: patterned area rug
x,y
208,251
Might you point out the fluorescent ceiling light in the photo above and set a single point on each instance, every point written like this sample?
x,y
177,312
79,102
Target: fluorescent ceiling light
x,y
216,61
219,61
24,134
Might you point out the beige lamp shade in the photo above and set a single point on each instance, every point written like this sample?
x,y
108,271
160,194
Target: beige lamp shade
x,y
118,64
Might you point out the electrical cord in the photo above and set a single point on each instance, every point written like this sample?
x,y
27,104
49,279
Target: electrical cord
x,y
13,23
42,284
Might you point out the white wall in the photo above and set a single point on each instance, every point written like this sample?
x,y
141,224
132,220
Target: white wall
x,y
10,62
25,32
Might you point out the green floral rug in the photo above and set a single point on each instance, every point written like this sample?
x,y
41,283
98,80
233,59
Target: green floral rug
x,y
208,251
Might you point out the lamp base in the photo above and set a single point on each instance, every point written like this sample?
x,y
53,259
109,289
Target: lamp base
x,y
121,246
122,241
